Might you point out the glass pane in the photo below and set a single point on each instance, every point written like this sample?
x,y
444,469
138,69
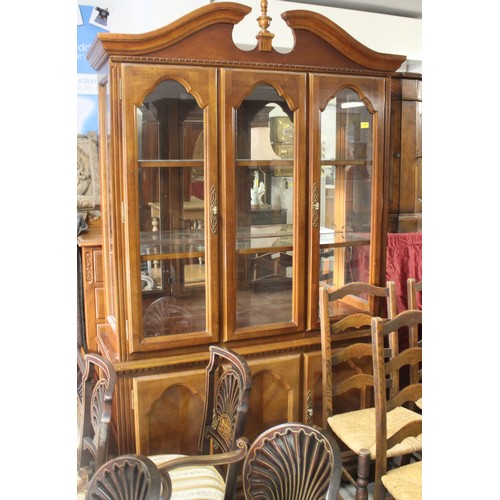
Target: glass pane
x,y
346,186
170,124
181,306
171,211
264,204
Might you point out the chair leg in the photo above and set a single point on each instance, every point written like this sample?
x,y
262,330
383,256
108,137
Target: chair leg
x,y
363,474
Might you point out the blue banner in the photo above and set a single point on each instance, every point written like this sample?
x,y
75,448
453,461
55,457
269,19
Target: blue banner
x,y
91,20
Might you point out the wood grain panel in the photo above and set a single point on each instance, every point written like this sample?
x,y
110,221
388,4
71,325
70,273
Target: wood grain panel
x,y
168,409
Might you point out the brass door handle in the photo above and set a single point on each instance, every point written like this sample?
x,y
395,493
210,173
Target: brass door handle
x,y
214,210
315,205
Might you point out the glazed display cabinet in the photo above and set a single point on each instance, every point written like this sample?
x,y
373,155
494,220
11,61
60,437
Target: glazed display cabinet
x,y
233,182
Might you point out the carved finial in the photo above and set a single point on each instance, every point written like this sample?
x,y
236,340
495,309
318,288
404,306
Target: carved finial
x,y
264,37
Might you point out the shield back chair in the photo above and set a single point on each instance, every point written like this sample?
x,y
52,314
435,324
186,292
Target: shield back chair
x,y
227,392
131,477
291,461
80,371
398,428
98,387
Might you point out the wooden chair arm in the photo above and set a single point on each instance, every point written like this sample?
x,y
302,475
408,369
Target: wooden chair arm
x,y
205,460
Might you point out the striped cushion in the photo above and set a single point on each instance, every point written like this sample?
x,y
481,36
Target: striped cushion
x,y
405,483
82,480
193,482
357,430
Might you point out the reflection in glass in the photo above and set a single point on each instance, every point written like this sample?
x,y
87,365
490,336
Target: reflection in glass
x,y
346,186
171,211
264,209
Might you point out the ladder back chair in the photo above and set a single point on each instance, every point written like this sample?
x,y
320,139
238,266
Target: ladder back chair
x,y
292,461
398,428
347,372
404,482
414,288
221,442
357,301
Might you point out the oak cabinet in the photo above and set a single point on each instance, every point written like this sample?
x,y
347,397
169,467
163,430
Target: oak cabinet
x,y
233,181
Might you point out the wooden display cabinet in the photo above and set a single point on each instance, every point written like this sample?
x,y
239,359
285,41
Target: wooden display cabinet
x,y
232,182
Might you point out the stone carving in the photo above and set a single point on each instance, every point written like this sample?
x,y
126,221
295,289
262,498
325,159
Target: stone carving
x,y
87,188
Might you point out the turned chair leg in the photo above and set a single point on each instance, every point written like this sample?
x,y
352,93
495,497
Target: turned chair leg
x,y
363,475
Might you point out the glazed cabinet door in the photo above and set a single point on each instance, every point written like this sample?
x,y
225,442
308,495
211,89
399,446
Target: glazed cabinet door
x,y
169,205
347,153
168,410
263,179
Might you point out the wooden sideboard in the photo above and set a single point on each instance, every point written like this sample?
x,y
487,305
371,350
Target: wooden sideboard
x,y
90,243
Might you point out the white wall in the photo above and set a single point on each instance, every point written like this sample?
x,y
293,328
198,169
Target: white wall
x,y
383,33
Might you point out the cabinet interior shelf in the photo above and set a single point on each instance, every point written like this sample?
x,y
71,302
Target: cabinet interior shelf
x,y
182,245
171,163
264,163
345,163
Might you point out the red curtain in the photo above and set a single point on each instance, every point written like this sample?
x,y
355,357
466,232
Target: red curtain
x,y
404,260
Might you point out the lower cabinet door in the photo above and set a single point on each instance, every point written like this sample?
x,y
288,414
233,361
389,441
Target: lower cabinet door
x,y
168,409
275,393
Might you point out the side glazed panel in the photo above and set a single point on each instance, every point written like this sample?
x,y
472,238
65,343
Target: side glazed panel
x,y
347,157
